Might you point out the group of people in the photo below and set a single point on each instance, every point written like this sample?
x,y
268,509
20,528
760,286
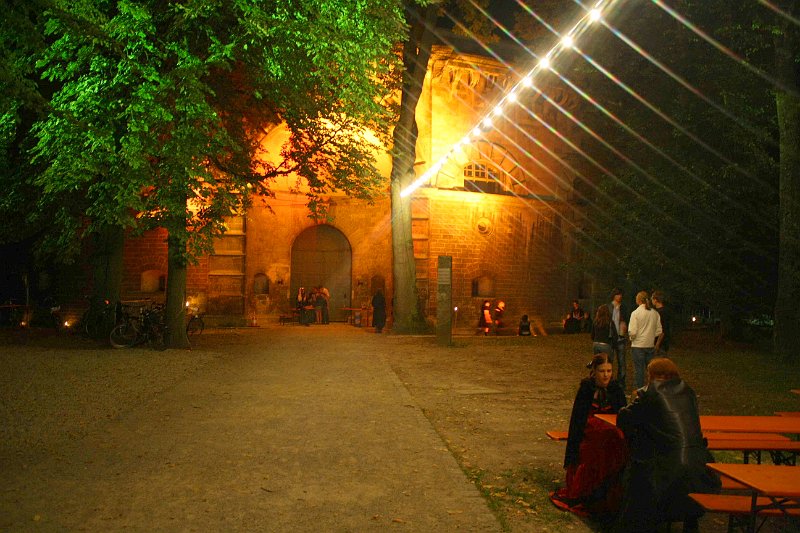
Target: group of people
x,y
638,473
648,329
312,305
491,319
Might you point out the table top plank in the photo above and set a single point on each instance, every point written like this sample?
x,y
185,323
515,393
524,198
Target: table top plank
x,y
744,423
767,480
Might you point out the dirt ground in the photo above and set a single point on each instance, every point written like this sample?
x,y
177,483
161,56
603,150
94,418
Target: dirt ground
x,y
489,399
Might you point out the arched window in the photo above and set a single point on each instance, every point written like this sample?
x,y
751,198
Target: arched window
x,y
483,177
260,284
483,286
152,281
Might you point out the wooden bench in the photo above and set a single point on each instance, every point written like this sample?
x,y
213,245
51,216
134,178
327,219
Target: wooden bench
x,y
289,319
719,435
738,508
558,435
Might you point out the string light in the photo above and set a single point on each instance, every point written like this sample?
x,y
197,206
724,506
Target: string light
x,y
567,42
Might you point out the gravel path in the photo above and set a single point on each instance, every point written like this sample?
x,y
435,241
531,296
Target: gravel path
x,y
274,429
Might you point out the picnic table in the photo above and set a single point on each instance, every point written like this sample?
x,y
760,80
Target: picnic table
x,y
774,490
729,428
359,316
743,423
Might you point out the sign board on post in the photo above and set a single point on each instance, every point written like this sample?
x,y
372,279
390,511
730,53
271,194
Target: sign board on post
x,y
444,301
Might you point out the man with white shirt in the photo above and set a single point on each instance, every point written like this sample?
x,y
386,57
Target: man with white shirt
x,y
643,330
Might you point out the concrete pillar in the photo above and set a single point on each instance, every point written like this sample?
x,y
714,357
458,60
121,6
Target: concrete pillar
x,y
444,301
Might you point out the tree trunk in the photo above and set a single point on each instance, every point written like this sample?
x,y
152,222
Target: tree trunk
x,y
787,311
415,62
174,312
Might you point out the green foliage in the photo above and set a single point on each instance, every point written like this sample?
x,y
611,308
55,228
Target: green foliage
x,y
158,109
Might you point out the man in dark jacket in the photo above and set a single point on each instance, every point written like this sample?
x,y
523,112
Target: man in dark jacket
x,y
668,453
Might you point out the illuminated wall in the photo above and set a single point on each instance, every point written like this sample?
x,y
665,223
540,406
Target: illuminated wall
x,y
507,243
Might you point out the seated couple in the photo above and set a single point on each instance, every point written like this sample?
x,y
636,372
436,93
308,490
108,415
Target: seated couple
x,y
658,445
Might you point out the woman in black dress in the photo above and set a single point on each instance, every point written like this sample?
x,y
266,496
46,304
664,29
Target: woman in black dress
x,y
596,451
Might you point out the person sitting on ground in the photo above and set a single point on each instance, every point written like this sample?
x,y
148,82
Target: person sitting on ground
x,y
574,321
596,451
604,332
524,329
668,453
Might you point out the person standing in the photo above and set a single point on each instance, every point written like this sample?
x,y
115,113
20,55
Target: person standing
x,y
604,332
643,330
485,319
662,343
619,316
378,311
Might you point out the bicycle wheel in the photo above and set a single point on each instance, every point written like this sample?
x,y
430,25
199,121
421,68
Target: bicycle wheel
x,y
195,326
124,335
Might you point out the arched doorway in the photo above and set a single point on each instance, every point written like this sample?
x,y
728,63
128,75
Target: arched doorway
x,y
321,255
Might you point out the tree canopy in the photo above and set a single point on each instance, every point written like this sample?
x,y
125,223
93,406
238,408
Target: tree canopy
x,y
685,197
157,110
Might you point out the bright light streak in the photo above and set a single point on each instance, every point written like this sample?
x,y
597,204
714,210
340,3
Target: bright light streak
x,y
567,41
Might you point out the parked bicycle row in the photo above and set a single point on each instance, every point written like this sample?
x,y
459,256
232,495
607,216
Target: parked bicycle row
x,y
125,323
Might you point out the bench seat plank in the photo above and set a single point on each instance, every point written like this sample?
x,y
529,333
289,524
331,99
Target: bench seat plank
x,y
558,435
720,435
733,504
754,445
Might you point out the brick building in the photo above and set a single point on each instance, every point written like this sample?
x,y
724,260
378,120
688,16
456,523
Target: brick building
x,y
501,208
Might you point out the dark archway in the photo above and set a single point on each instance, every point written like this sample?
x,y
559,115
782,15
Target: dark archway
x,y
321,255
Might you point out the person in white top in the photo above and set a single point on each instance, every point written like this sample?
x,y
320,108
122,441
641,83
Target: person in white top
x,y
644,328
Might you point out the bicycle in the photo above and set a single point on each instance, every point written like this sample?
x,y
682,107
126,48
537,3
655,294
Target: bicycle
x,y
195,325
100,318
148,327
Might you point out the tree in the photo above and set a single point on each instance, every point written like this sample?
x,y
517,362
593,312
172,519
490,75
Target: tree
x,y
687,211
416,52
787,100
160,109
423,17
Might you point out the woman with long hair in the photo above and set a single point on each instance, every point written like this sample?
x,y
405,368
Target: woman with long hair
x,y
604,332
